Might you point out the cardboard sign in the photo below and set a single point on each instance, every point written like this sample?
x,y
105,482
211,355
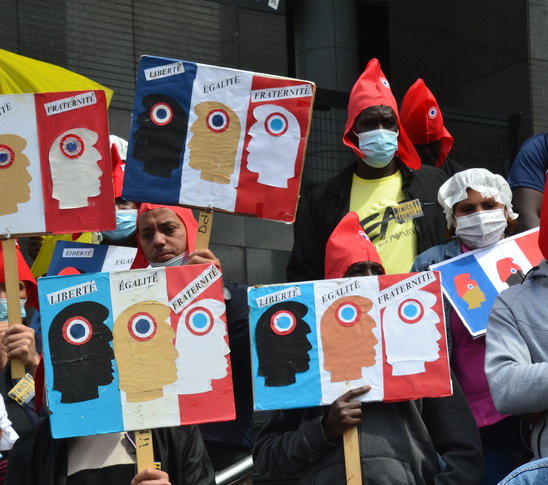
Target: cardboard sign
x,y
313,341
90,258
211,137
134,350
55,167
472,281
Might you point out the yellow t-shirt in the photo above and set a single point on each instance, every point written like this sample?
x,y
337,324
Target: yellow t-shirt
x,y
373,201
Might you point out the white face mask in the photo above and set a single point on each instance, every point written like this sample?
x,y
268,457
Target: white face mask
x,y
378,146
179,260
482,228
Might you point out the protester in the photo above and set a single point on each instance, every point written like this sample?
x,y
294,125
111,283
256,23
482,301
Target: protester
x,y
526,178
478,207
516,362
17,341
422,119
166,236
400,441
383,177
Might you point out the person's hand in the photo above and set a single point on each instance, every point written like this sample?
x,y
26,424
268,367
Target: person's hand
x,y
344,413
202,256
151,476
18,342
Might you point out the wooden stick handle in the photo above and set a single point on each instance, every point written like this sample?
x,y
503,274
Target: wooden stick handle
x,y
145,449
11,275
352,457
205,222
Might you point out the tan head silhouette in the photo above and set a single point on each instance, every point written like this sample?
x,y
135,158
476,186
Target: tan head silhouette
x,y
347,338
14,176
214,143
143,346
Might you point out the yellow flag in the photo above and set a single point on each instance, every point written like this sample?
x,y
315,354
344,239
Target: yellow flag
x,y
19,74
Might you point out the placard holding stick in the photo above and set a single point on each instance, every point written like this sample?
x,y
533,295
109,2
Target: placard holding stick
x,y
11,275
145,449
205,223
352,461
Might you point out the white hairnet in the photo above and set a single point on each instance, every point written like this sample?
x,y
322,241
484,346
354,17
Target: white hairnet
x,y
483,181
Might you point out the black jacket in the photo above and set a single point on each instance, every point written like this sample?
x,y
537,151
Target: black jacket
x,y
38,459
327,204
399,444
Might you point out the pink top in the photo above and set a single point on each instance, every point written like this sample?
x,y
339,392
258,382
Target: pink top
x,y
467,362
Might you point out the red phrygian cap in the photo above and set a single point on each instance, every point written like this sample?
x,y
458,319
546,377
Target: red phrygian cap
x,y
25,275
543,234
348,244
187,218
506,267
422,119
464,283
373,89
118,167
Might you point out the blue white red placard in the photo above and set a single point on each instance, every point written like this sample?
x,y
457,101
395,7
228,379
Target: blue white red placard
x,y
313,341
472,280
55,166
135,349
90,258
206,136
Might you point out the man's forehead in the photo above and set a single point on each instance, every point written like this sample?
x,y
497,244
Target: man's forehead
x,y
156,217
376,111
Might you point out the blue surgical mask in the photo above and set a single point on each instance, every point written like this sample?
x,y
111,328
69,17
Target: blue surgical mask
x,y
378,146
176,261
125,225
4,309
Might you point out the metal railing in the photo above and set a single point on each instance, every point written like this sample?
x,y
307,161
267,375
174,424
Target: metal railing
x,y
233,473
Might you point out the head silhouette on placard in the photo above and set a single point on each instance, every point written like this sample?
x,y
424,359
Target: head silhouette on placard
x,y
161,135
75,172
143,345
201,340
469,290
509,271
81,355
344,323
14,176
410,333
282,343
272,151
214,142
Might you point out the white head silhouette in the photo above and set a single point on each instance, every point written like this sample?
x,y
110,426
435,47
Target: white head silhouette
x,y
272,151
74,170
202,346
410,333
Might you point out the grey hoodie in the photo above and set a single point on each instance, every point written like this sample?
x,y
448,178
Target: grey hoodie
x,y
516,362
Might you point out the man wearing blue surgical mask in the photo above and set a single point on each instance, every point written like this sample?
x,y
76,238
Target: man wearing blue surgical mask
x,y
396,203
126,225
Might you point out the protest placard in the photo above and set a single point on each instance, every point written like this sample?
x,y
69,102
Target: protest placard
x,y
211,137
134,350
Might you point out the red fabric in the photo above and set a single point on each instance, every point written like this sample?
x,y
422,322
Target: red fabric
x,y
25,274
187,218
118,168
422,119
372,89
348,244
543,233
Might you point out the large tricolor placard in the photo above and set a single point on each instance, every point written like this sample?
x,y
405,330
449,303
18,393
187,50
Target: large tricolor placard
x,y
472,281
55,167
206,136
313,341
135,349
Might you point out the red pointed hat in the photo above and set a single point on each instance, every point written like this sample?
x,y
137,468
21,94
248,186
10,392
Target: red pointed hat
x,y
187,218
422,119
464,283
118,167
543,234
373,89
348,244
25,274
506,267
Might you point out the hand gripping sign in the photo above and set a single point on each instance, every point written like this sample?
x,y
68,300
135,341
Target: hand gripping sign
x,y
211,137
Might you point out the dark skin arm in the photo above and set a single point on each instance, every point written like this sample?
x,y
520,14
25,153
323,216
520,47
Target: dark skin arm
x,y
344,413
527,203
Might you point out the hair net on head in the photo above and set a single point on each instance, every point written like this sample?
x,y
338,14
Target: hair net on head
x,y
479,179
